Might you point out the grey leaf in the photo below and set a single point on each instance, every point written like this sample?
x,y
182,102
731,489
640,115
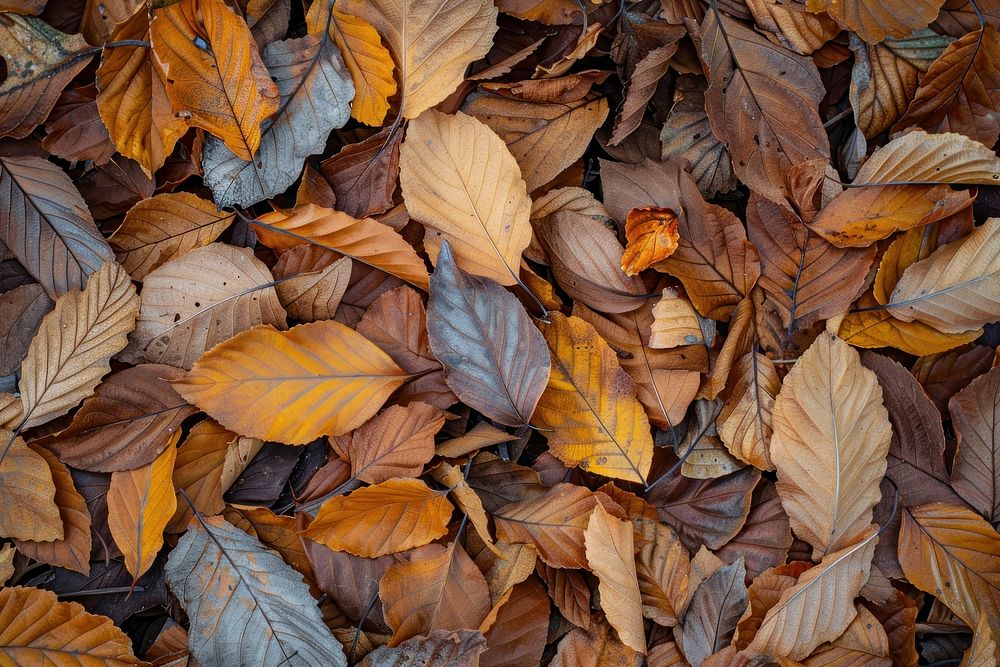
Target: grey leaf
x,y
245,604
714,611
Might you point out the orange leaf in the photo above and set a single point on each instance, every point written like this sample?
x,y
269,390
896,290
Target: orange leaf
x,y
292,386
386,518
652,237
397,442
214,75
29,511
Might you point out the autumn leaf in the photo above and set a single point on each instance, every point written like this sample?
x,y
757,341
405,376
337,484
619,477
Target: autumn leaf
x,y
442,163
231,587
978,454
711,617
214,75
495,360
198,469
652,237
397,442
831,438
873,23
30,511
589,410
326,370
386,518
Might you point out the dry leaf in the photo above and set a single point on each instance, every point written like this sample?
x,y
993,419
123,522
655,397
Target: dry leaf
x,y
397,442
652,237
610,554
29,511
977,457
874,22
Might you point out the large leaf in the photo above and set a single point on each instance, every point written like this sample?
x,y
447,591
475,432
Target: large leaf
x,y
495,359
438,588
589,411
232,588
960,92
364,240
40,62
952,553
37,629
199,300
432,42
213,72
73,550
397,442
713,613
141,502
873,21
132,98
29,511
714,260
554,523
611,554
518,637
976,421
164,227
73,347
820,606
126,423
292,386
752,110
316,91
47,226
831,438
444,164
386,518
957,288
545,137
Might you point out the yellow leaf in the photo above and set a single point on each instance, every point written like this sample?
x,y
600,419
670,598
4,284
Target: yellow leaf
x,y
132,98
432,41
386,518
652,237
364,240
444,163
292,386
831,438
877,328
75,342
589,411
140,504
368,61
611,555
214,75
37,629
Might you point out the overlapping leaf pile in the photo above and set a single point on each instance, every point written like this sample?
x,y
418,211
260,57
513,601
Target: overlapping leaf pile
x,y
402,332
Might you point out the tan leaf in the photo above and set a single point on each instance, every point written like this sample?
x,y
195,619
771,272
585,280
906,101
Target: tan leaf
x,y
205,297
198,469
951,553
977,457
864,641
432,42
442,166
674,322
466,499
390,517
479,436
292,386
365,240
29,511
140,504
438,588
589,411
41,61
594,648
75,342
831,438
38,629
222,87
745,421
6,563
802,31
163,228
73,550
610,553
820,606
314,296
132,98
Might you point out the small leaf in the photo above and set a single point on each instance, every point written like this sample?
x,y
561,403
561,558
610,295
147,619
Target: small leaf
x,y
29,511
713,613
397,442
610,554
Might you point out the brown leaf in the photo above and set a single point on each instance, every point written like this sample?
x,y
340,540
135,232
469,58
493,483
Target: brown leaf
x,y
652,237
316,296
386,518
126,423
594,648
351,581
764,540
977,458
364,175
715,609
397,442
440,647
438,588
755,127
74,131
610,554
21,311
744,423
198,469
944,374
518,636
874,22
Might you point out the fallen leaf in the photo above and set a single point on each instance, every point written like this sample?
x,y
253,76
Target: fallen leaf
x,y
390,517
461,649
745,421
519,634
712,615
21,311
198,469
30,511
977,456
495,360
335,378
231,587
397,442
364,175
873,23
652,237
